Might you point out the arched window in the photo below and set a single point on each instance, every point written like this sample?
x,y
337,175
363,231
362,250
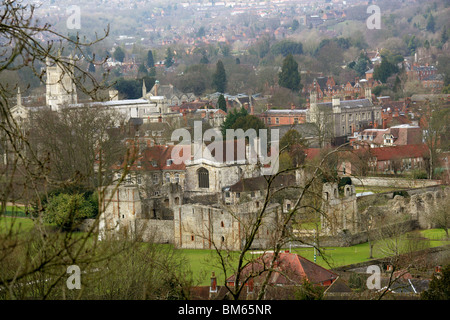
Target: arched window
x,y
203,178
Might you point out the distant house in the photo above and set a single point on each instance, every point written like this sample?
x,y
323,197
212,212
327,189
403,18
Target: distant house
x,y
400,135
290,271
172,96
388,160
279,117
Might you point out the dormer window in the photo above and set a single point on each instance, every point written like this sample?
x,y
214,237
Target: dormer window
x,y
169,162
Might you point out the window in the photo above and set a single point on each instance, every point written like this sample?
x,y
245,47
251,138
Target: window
x,y
203,178
227,194
139,179
269,120
167,176
221,224
295,120
177,178
277,120
155,178
238,194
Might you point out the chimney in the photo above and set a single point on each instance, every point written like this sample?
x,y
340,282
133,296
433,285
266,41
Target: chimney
x,y
336,102
368,93
252,109
213,287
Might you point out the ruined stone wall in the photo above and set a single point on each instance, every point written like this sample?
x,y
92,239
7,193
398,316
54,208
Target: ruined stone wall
x,y
204,227
155,231
121,207
343,215
394,182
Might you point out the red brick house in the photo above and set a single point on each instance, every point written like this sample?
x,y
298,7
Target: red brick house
x,y
387,160
279,117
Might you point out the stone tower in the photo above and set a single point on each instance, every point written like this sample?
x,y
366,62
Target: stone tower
x,y
60,87
340,212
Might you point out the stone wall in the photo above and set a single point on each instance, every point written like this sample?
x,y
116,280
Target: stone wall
x,y
199,226
155,231
394,182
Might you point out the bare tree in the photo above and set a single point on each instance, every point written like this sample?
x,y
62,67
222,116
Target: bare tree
x,y
280,233
33,263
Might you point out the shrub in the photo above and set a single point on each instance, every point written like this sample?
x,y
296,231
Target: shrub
x,y
67,211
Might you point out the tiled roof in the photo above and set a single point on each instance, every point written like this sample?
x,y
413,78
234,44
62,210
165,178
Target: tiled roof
x,y
155,158
259,183
289,269
399,152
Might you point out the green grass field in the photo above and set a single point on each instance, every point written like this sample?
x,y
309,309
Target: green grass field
x,y
203,262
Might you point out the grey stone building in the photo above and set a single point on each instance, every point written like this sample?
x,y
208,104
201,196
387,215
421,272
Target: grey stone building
x,y
339,119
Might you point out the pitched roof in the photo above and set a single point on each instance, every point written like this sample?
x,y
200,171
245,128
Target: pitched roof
x,y
258,183
288,269
154,158
358,103
399,152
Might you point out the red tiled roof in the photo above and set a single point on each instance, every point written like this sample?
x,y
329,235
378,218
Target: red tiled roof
x,y
312,153
293,269
399,152
155,158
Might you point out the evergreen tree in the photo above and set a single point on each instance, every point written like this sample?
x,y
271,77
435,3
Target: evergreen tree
x,y
91,68
150,59
220,77
444,35
169,58
119,54
439,288
231,118
384,70
431,23
221,103
204,59
289,77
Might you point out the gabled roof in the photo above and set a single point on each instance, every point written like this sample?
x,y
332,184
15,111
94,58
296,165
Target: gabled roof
x,y
154,158
289,269
260,183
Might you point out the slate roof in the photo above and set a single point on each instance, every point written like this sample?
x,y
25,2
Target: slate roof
x,y
258,183
358,103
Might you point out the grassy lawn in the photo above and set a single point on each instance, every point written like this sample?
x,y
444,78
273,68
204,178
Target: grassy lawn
x,y
373,189
16,223
203,262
